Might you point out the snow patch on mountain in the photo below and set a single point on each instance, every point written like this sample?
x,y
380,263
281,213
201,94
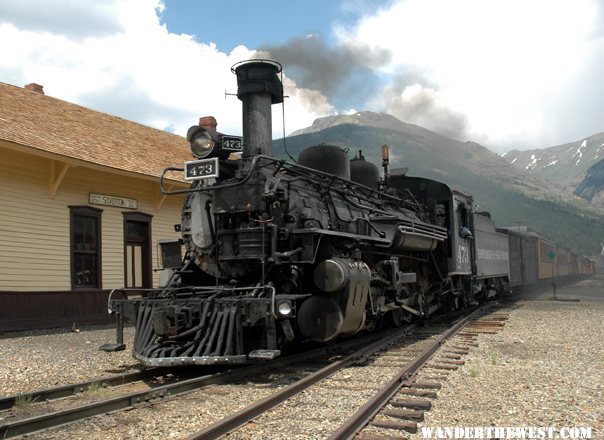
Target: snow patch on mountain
x,y
531,166
579,152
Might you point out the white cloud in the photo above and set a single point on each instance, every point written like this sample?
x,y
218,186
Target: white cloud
x,y
502,72
122,61
72,18
497,62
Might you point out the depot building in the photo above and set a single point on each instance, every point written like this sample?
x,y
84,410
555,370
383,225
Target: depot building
x,y
81,207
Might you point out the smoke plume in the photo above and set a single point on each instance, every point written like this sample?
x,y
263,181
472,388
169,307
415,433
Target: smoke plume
x,y
336,72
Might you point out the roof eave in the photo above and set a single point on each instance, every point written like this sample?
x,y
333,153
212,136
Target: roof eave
x,y
28,149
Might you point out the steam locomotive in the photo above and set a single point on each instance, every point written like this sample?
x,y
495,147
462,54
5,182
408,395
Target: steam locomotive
x,y
279,253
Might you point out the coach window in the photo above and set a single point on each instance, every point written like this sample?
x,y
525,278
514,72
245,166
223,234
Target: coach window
x,y
85,224
137,249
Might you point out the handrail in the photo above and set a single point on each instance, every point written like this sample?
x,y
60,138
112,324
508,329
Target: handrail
x,y
292,167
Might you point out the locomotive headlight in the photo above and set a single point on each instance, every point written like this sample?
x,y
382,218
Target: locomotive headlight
x,y
284,308
201,142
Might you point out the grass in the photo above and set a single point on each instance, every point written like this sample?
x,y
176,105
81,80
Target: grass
x,y
23,401
494,359
473,372
97,388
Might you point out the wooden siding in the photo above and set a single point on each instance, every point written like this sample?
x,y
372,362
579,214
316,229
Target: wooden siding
x,y
33,310
34,227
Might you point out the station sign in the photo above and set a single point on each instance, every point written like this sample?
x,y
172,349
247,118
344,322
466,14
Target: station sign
x,y
118,202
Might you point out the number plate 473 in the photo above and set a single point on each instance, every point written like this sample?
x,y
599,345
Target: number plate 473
x,y
201,169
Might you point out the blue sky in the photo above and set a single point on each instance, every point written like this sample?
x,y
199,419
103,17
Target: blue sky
x,y
230,23
504,73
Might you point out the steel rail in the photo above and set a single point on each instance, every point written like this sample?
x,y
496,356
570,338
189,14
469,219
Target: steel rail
x,y
132,400
363,416
63,391
245,415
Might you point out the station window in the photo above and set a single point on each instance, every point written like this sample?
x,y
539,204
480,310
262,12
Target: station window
x,y
85,224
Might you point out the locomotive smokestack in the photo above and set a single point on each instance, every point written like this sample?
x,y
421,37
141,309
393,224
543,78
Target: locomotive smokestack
x,y
258,87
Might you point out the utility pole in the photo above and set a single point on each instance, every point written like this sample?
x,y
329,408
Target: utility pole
x,y
552,256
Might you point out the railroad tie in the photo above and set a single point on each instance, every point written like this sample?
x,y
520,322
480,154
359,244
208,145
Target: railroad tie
x,y
417,392
442,367
426,385
407,414
488,323
448,355
454,351
412,403
499,317
436,378
371,436
468,344
477,331
396,425
387,364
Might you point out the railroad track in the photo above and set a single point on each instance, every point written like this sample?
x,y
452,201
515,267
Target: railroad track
x,y
70,390
346,354
155,390
397,405
400,404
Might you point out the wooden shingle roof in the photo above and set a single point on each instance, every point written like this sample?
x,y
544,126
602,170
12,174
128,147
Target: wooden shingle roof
x,y
46,124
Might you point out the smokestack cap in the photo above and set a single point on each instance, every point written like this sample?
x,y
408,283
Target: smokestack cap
x,y
259,76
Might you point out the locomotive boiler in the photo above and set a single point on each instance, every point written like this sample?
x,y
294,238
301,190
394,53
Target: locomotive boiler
x,y
279,253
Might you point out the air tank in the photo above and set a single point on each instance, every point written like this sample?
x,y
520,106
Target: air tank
x,y
363,172
327,158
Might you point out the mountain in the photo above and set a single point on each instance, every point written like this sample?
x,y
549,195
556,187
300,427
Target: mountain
x,y
567,165
511,195
591,187
367,119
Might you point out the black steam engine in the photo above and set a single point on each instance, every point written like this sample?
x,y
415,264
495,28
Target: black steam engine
x,y
280,253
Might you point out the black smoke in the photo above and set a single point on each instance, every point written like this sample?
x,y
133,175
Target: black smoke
x,y
344,74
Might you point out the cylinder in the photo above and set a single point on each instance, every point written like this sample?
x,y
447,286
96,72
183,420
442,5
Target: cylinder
x,y
320,318
258,87
330,275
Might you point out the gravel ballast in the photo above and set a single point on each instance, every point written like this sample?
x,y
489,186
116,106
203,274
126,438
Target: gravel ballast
x,y
39,359
545,368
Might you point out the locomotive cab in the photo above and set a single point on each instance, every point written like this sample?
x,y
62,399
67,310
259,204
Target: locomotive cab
x,y
449,209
